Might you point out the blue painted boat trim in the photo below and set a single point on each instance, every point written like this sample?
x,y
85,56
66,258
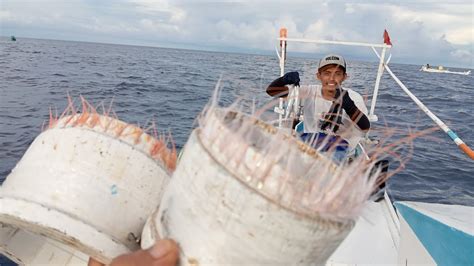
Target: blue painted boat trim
x,y
452,135
447,245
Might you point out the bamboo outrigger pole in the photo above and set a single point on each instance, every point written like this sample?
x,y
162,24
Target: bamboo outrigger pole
x,y
463,146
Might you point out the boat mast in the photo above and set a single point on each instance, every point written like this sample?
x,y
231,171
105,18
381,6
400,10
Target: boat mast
x,y
280,110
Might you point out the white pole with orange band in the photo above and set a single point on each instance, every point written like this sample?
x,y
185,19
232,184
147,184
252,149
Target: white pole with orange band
x,y
280,111
293,91
469,152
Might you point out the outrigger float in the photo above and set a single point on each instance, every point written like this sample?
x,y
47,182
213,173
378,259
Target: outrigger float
x,y
441,69
91,185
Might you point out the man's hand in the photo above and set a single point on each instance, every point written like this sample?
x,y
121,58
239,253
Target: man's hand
x,y
164,253
292,78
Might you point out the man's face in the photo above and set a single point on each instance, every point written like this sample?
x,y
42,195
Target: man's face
x,y
331,77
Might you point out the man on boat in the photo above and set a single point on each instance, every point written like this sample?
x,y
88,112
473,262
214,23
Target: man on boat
x,y
333,116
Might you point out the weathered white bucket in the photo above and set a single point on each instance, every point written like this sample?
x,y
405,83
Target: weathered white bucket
x,y
228,203
90,182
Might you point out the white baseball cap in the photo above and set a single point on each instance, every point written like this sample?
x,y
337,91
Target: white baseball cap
x,y
332,59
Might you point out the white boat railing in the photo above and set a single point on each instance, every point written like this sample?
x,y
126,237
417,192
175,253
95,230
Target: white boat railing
x,y
336,42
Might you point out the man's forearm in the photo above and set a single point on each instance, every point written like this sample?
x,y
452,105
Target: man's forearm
x,y
278,87
361,120
355,114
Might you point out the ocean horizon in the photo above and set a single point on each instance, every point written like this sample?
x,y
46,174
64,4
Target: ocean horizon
x,y
235,50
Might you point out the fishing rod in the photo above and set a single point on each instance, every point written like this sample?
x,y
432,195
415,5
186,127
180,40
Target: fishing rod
x,y
463,146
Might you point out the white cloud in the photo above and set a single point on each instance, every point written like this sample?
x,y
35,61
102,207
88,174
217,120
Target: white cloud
x,y
5,15
462,54
462,35
454,21
421,29
349,9
153,7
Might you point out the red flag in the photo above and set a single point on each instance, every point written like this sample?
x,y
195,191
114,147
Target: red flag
x,y
386,38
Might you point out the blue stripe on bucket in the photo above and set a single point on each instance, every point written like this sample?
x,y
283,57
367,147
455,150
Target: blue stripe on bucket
x,y
447,245
452,135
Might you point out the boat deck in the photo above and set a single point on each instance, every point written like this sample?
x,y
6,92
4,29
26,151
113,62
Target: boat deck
x,y
374,240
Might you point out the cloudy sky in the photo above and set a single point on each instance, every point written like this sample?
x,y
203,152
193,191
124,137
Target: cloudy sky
x,y
422,31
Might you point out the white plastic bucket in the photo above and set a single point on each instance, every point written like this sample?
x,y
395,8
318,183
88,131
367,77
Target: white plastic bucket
x,y
89,182
221,211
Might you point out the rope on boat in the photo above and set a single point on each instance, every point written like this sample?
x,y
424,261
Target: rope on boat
x,y
468,151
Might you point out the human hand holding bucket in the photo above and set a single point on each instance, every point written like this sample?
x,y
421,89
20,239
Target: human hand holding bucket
x,y
243,193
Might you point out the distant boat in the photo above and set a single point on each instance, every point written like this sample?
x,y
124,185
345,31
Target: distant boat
x,y
13,38
441,69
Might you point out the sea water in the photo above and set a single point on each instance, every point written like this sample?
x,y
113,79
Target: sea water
x,y
171,86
